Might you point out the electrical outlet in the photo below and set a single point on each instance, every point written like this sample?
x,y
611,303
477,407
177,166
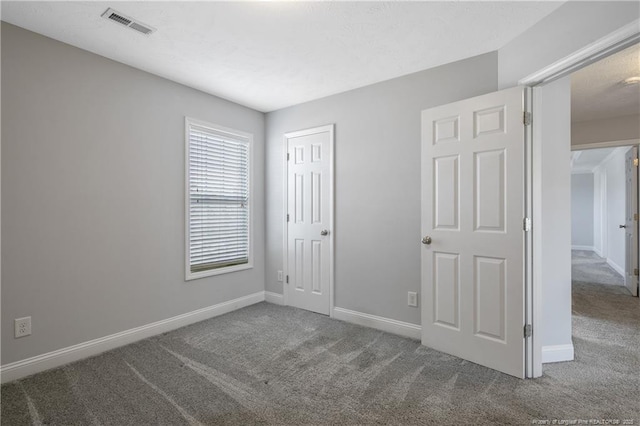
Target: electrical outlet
x,y
280,276
412,298
22,327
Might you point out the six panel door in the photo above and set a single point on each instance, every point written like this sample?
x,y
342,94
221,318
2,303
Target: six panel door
x,y
308,226
473,211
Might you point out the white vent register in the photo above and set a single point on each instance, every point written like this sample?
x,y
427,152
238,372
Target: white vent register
x,y
122,19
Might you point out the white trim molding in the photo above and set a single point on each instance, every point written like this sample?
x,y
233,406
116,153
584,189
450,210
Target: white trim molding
x,y
557,353
609,144
605,46
389,325
26,367
619,269
597,251
275,298
582,171
588,248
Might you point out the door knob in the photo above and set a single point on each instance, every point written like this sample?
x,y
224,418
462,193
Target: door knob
x,y
324,232
426,240
622,226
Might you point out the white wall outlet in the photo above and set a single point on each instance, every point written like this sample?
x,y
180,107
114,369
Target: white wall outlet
x,y
280,276
412,298
22,326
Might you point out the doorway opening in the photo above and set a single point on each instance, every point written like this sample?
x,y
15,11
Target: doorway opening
x,y
605,133
552,136
603,243
605,115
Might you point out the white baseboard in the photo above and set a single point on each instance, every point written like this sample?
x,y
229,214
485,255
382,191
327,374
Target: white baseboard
x,y
275,298
57,358
557,353
588,248
597,251
619,269
401,328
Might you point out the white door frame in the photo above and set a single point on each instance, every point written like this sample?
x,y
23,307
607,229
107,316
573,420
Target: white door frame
x,y
285,191
533,345
607,45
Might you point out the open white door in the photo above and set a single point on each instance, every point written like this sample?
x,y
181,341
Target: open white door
x,y
473,210
631,223
308,226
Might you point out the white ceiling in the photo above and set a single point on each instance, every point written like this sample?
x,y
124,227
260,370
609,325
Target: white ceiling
x,y
597,91
270,55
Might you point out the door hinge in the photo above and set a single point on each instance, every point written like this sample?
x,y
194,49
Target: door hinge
x,y
526,224
287,279
287,156
635,217
635,162
528,330
287,217
526,118
636,272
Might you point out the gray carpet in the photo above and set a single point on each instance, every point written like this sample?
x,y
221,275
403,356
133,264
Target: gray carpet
x,y
588,267
268,364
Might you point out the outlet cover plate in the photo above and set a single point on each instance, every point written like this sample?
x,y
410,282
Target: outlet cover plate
x,y
412,299
22,327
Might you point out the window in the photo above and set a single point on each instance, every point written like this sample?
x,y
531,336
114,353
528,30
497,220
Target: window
x,y
218,198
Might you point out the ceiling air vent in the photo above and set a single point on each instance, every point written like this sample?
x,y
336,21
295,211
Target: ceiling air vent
x,y
122,19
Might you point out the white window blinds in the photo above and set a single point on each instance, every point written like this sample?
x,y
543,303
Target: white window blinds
x,y
218,201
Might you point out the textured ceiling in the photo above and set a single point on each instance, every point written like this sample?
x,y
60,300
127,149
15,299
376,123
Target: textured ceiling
x,y
270,55
597,91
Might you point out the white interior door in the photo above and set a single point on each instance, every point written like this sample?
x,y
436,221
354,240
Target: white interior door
x,y
309,233
631,225
473,210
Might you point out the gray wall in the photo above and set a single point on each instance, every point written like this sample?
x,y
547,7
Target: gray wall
x,y
572,26
377,180
606,130
582,209
93,195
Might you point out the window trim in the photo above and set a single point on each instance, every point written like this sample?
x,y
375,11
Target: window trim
x,y
237,135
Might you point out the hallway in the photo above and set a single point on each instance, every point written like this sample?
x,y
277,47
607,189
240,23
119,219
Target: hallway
x,y
589,268
606,336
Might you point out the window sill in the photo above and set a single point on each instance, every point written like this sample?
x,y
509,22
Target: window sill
x,y
190,276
